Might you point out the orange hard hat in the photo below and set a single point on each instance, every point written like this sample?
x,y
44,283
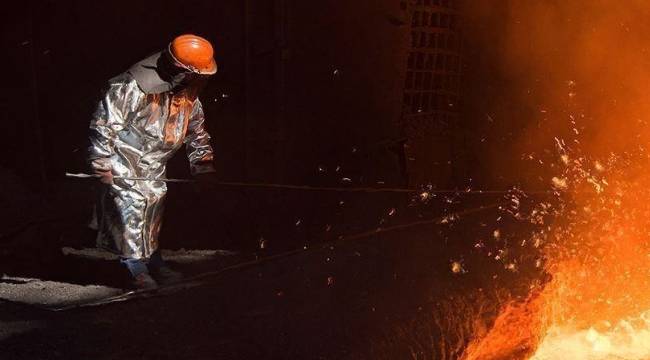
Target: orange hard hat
x,y
194,53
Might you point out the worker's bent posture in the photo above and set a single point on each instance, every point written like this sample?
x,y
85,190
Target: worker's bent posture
x,y
146,114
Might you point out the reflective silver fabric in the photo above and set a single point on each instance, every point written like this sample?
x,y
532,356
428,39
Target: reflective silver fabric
x,y
133,134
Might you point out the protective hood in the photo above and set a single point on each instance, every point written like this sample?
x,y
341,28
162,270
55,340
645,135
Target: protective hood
x,y
156,74
148,77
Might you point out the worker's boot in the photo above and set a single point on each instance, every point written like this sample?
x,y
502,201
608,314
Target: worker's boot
x,y
165,275
161,272
140,278
144,281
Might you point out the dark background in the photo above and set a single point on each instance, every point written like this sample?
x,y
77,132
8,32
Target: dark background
x,y
295,77
306,94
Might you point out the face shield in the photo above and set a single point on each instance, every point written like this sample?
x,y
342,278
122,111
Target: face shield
x,y
181,77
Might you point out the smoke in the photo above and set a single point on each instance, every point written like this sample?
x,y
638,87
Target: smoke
x,y
542,69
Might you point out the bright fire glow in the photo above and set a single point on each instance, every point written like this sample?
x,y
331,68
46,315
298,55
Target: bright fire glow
x,y
597,304
577,70
629,339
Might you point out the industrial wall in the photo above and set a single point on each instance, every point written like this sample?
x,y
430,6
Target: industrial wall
x,y
432,94
325,88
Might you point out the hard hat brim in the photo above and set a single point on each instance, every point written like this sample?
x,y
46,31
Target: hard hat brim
x,y
210,70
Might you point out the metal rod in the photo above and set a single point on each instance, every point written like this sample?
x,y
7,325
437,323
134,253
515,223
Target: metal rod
x,y
94,176
314,188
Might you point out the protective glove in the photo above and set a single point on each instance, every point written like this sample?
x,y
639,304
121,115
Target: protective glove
x,y
105,177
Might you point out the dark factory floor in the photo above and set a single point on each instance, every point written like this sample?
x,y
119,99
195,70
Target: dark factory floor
x,y
420,289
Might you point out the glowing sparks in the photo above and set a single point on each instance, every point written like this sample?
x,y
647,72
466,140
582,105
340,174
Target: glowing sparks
x,y
598,278
559,183
457,267
565,159
448,219
594,299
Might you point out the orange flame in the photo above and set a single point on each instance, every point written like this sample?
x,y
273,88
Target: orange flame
x,y
578,70
597,305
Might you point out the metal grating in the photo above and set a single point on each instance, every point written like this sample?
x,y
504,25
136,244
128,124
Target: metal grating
x,y
431,89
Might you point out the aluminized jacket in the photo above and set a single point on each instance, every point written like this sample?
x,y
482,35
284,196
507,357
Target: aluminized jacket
x,y
133,133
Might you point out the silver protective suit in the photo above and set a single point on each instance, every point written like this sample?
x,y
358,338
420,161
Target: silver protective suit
x,y
133,134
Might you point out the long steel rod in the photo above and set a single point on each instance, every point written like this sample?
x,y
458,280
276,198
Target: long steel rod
x,y
315,188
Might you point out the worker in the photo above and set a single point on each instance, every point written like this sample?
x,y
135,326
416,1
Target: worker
x,y
145,115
